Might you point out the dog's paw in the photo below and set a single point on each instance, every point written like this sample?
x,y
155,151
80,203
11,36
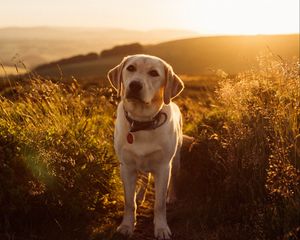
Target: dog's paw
x,y
162,233
125,230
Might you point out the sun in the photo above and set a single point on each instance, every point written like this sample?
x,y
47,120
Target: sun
x,y
242,17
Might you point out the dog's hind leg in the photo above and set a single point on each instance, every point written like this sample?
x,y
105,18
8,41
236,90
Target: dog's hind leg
x,y
142,186
171,194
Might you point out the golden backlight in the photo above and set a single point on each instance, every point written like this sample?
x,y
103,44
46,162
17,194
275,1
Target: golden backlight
x,y
211,17
243,17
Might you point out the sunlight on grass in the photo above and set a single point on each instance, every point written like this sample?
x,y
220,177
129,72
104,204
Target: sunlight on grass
x,y
245,162
268,101
11,70
242,171
61,140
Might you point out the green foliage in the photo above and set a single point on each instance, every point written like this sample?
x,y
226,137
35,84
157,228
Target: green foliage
x,y
57,164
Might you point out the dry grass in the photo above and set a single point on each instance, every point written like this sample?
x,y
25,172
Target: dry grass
x,y
245,165
59,177
57,166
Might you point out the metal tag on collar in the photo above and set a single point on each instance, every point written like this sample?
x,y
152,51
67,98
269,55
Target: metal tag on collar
x,y
130,138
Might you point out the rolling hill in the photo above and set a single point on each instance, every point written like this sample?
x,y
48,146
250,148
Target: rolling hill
x,y
193,56
38,45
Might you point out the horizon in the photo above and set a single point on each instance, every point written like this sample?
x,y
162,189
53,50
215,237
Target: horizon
x,y
213,18
99,28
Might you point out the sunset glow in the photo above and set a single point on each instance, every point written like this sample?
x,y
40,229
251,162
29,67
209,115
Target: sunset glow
x,y
202,16
243,17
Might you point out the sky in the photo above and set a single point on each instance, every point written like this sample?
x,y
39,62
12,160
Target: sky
x,y
202,16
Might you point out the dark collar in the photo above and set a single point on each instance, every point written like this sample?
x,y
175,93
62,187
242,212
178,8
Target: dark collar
x,y
148,125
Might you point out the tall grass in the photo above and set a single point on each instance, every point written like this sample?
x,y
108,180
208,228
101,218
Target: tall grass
x,y
245,165
57,166
266,104
263,109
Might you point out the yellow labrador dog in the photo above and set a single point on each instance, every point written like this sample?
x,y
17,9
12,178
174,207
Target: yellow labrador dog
x,y
148,134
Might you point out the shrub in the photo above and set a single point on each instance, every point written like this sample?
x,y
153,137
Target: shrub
x,y
245,165
57,166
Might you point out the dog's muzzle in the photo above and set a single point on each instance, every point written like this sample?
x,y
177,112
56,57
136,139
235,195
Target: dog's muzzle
x,y
134,91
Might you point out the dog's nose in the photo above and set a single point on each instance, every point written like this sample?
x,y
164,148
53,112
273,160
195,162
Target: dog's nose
x,y
135,86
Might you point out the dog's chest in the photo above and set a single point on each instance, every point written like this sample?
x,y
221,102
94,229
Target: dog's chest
x,y
148,150
144,152
144,162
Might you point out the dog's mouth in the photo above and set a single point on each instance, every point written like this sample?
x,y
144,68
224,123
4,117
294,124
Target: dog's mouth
x,y
135,98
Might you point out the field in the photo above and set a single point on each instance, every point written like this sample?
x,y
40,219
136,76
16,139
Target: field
x,y
240,176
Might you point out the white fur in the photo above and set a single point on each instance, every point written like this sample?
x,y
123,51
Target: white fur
x,y
156,151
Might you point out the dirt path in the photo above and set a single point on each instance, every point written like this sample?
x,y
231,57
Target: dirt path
x,y
145,229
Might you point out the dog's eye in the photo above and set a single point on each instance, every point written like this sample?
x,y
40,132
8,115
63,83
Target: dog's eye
x,y
153,73
131,68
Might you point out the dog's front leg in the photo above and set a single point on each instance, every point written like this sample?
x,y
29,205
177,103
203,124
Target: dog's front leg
x,y
161,179
128,176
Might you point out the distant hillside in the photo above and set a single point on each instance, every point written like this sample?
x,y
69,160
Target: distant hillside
x,y
39,45
194,56
66,61
230,53
123,50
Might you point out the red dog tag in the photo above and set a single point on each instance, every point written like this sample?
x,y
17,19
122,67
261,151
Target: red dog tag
x,y
129,138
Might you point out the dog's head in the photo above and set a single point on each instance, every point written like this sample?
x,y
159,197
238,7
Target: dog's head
x,y
145,83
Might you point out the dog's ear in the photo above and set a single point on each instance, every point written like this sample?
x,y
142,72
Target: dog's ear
x,y
173,84
115,76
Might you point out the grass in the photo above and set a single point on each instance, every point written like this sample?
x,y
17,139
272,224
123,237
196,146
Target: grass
x,y
57,163
59,175
245,164
9,70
